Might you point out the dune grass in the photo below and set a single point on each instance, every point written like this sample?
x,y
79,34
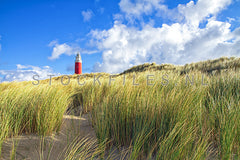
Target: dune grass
x,y
209,66
172,116
25,108
175,121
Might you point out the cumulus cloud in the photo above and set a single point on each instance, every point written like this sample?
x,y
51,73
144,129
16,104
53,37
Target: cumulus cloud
x,y
137,8
180,42
59,49
26,73
195,13
231,19
87,15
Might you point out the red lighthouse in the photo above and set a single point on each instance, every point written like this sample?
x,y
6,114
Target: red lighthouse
x,y
78,64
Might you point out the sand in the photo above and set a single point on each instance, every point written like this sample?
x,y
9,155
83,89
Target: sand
x,y
33,147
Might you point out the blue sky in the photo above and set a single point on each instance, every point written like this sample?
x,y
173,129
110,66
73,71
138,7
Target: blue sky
x,y
43,36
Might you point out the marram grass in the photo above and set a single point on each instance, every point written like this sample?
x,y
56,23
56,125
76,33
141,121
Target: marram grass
x,y
180,120
176,121
31,109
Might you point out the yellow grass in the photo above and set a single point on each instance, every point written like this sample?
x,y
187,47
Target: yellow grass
x,y
156,111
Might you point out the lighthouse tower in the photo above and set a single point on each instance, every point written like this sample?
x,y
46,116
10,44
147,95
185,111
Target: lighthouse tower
x,y
78,64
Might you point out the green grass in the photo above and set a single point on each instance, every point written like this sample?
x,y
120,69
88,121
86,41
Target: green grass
x,y
173,121
210,66
31,109
168,122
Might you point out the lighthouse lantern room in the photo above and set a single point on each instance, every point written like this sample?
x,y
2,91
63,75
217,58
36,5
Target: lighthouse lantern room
x,y
78,64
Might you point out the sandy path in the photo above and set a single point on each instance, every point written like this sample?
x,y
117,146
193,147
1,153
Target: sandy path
x,y
53,147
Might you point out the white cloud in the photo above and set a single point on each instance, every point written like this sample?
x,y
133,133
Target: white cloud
x,y
182,42
195,13
59,49
26,73
87,15
118,17
231,19
137,8
83,51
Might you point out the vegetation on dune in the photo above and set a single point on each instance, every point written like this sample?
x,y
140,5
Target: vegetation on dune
x,y
171,114
209,66
31,109
170,122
